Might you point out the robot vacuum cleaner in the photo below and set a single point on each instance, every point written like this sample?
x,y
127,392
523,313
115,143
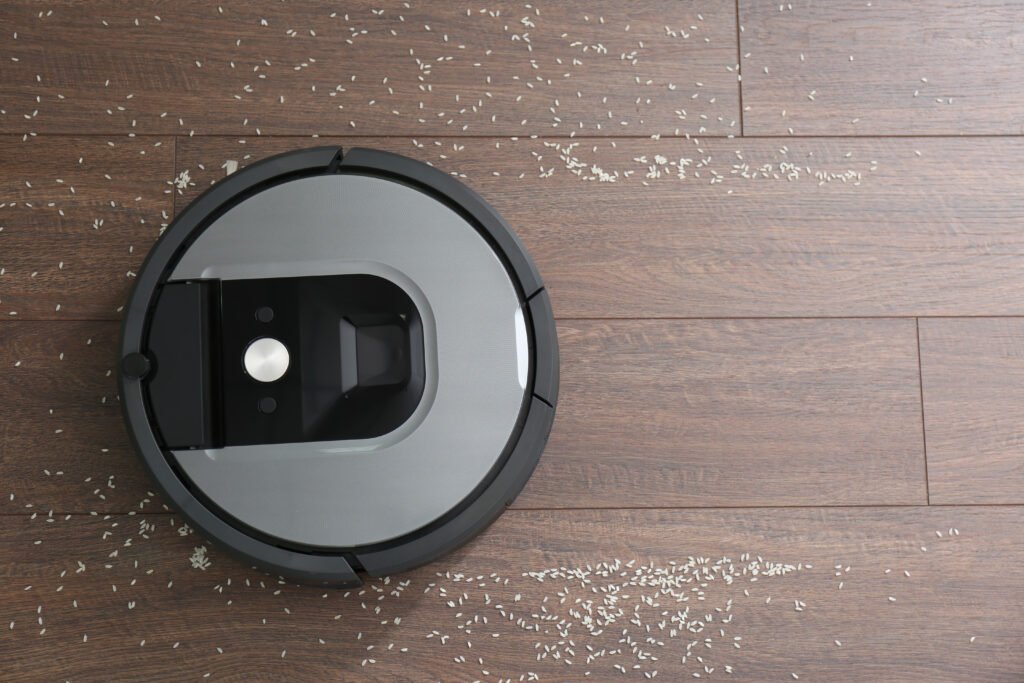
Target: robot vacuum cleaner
x,y
337,363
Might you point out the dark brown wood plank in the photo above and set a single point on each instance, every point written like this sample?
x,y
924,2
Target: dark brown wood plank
x,y
972,374
960,588
882,68
63,445
805,229
234,67
725,413
920,235
77,216
652,413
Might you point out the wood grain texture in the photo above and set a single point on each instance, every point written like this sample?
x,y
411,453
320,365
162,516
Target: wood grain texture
x,y
735,318
63,444
961,587
653,413
756,228
972,372
919,235
237,67
77,216
723,413
882,68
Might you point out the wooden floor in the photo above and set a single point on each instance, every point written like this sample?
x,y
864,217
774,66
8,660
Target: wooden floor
x,y
785,247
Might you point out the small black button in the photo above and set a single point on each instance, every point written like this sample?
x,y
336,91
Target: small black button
x,y
264,314
135,365
267,405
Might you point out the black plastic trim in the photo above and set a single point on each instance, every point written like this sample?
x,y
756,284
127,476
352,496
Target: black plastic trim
x,y
182,390
545,359
337,566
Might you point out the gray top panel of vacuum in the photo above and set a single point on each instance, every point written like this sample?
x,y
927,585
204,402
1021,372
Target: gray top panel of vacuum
x,y
358,492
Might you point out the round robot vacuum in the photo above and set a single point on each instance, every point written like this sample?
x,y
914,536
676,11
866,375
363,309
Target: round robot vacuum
x,y
337,363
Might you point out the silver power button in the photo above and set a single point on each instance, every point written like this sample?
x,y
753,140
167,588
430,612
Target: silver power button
x,y
266,360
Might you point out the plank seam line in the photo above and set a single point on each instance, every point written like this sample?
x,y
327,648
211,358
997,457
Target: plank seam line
x,y
924,428
739,65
